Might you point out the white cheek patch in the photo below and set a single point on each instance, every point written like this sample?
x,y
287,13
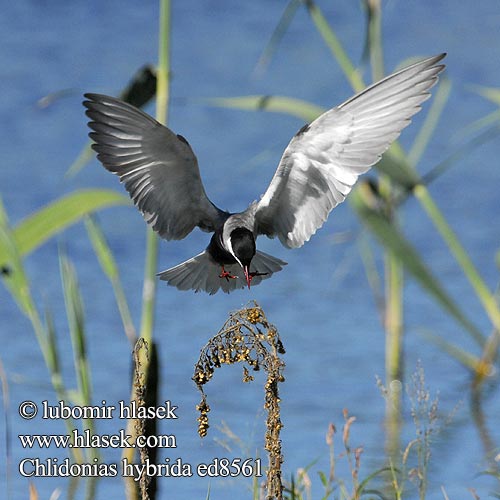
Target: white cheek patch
x,y
229,246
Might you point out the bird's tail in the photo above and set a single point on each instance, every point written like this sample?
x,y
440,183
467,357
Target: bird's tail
x,y
200,273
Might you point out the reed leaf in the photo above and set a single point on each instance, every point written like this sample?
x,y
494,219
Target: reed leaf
x,y
490,93
108,264
333,43
162,100
486,298
398,170
76,321
16,282
459,154
50,220
278,104
373,39
465,358
393,240
489,120
372,275
431,120
12,269
52,351
277,35
81,160
101,248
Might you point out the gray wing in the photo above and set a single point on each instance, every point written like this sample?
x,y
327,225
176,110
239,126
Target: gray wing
x,y
323,161
158,167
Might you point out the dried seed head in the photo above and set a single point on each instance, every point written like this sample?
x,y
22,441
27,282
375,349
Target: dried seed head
x,y
329,435
248,338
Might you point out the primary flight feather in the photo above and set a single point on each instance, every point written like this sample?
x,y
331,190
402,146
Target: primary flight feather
x,y
317,171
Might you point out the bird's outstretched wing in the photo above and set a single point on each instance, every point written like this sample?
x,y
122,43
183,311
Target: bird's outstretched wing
x,y
324,159
158,167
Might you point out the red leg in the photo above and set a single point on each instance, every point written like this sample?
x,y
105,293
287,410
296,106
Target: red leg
x,y
225,274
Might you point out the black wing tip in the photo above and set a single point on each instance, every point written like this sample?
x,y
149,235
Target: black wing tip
x,y
437,59
432,62
440,57
91,98
427,63
303,130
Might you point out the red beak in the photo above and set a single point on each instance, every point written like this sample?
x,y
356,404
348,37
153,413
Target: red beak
x,y
248,276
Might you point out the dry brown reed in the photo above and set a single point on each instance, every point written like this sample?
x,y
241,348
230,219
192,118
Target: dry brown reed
x,y
247,337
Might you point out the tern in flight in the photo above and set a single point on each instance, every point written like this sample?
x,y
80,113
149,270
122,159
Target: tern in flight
x,y
318,169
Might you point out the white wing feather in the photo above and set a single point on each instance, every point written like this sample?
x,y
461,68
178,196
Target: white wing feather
x,y
323,161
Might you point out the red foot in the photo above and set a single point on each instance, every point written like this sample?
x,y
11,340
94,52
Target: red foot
x,y
225,274
255,273
249,276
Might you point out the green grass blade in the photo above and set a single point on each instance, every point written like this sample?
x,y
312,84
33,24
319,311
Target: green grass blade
x,y
76,321
373,43
101,248
13,275
162,100
459,154
81,160
372,275
12,272
361,488
398,170
323,479
16,281
333,43
431,120
277,36
108,264
392,239
465,358
52,351
490,93
486,121
50,220
277,104
462,257
163,72
394,322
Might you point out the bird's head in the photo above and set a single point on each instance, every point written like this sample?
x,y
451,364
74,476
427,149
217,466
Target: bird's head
x,y
243,249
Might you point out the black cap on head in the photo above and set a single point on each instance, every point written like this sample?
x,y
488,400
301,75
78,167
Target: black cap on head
x,y
243,244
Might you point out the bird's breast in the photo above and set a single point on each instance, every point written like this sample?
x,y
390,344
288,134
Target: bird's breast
x,y
217,251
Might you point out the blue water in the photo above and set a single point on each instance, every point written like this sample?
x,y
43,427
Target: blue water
x,y
321,303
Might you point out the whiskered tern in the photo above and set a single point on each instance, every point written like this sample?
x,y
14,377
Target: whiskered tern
x,y
317,171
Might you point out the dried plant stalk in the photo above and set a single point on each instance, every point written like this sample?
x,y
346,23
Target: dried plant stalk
x,y
141,358
247,337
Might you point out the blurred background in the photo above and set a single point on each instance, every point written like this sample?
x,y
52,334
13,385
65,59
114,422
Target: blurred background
x,y
329,304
